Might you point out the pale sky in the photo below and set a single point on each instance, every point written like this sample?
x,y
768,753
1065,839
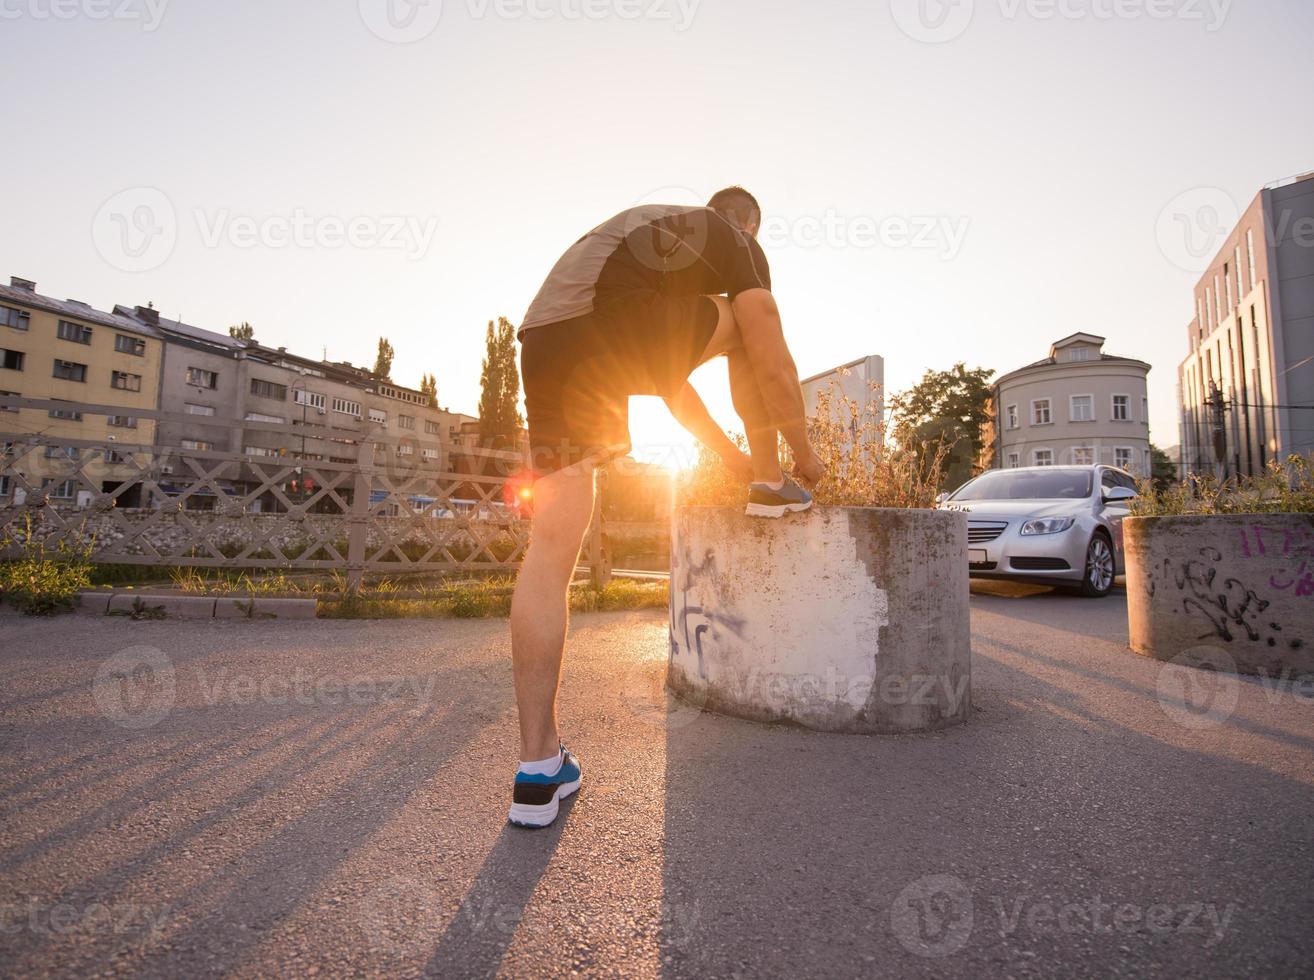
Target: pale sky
x,y
965,180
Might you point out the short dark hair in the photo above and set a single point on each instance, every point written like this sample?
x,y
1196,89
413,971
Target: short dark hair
x,y
737,203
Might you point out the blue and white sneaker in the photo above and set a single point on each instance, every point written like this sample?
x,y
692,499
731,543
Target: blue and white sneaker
x,y
765,502
536,799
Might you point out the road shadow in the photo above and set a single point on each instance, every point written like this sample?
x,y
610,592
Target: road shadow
x,y
790,852
491,912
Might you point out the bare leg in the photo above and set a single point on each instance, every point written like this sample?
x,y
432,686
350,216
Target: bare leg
x,y
763,443
763,440
563,505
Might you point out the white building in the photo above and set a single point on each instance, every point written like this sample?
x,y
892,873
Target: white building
x,y
861,382
1077,406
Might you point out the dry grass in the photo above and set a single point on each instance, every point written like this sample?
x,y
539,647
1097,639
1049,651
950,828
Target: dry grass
x,y
1284,487
861,470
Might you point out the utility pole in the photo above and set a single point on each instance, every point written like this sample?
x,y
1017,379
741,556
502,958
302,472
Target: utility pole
x,y
1218,424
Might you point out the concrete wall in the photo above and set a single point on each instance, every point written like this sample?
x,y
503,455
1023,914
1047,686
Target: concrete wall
x,y
1233,590
841,619
171,537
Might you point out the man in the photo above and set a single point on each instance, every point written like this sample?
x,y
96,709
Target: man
x,y
631,309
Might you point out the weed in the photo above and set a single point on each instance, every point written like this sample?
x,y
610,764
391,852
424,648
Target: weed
x,y
42,581
1283,487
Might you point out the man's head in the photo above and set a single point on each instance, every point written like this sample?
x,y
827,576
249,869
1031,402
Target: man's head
x,y
738,207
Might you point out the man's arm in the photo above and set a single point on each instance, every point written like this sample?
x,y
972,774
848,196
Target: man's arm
x,y
763,338
691,413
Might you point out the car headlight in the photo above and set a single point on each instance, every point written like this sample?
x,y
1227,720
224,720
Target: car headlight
x,y
1047,525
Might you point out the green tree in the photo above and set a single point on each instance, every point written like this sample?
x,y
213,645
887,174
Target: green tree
x,y
499,409
243,332
383,362
946,414
429,388
1163,471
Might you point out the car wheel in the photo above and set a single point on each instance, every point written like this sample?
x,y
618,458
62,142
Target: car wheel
x,y
1100,568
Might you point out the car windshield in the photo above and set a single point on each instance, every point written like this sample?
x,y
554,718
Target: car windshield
x,y
1047,484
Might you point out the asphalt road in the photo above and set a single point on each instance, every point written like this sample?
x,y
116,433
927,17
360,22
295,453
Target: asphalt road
x,y
239,798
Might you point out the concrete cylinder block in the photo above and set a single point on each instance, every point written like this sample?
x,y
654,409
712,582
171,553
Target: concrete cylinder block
x,y
1223,591
842,619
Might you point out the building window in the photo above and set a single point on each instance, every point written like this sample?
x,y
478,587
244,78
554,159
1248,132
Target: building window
x,y
1145,410
67,414
430,454
121,421
1122,408
1040,412
378,416
63,490
431,427
70,370
1042,457
1014,461
268,389
1010,412
260,451
308,398
9,394
124,381
344,407
262,417
1079,354
129,345
1250,248
74,332
113,456
1083,456
1227,286
1122,457
406,421
1082,408
198,444
202,378
18,319
11,360
5,486
194,409
55,452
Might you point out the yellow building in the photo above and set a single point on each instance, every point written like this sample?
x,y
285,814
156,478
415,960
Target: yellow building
x,y
64,350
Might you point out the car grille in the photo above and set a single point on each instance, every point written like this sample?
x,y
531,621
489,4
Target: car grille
x,y
1040,564
979,532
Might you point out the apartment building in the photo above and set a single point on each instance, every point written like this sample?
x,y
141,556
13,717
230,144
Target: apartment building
x,y
1246,389
64,350
1079,405
235,393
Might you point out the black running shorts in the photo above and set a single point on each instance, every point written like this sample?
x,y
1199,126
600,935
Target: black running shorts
x,y
579,374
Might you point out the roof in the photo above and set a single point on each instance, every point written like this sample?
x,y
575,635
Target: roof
x,y
183,329
1076,338
74,309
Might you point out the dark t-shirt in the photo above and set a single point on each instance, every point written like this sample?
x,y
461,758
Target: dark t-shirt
x,y
671,249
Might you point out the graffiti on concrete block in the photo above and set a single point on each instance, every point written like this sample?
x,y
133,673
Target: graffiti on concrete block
x,y
1229,606
705,618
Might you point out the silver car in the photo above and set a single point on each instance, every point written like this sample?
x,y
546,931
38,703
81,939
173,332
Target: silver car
x,y
1052,525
